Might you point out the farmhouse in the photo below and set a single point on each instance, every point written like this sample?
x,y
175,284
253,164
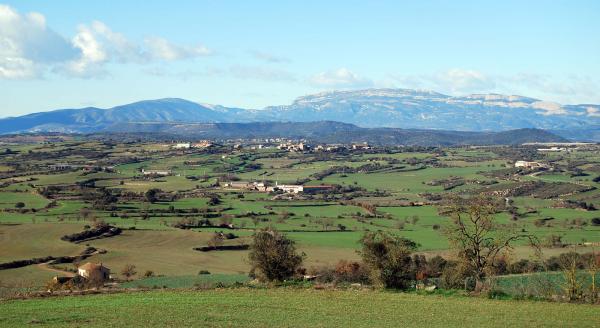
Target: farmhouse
x,y
94,271
261,186
294,189
185,145
202,144
552,149
244,185
163,173
294,147
363,145
530,165
238,185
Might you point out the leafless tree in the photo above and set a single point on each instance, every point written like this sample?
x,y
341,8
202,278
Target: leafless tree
x,y
476,236
128,271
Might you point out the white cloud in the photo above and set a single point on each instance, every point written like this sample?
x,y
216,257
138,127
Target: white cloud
x,y
340,78
118,45
26,44
17,68
29,48
453,81
461,80
93,54
160,48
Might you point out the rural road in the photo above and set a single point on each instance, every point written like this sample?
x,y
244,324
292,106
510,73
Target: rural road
x,y
44,266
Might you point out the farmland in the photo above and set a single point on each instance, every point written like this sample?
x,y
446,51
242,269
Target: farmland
x,y
290,308
48,190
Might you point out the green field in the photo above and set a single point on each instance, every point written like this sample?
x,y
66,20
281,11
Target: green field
x,y
403,186
290,308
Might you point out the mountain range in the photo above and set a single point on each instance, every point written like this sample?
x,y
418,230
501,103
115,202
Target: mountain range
x,y
370,108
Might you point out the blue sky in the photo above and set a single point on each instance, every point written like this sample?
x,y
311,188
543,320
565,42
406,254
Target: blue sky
x,y
250,54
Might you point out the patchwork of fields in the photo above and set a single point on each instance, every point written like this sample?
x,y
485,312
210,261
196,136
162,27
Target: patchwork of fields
x,y
394,190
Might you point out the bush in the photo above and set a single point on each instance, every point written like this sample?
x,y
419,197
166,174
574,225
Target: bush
x,y
273,256
454,275
524,266
435,266
352,272
387,258
203,272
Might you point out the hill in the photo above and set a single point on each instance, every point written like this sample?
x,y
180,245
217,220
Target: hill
x,y
328,132
371,108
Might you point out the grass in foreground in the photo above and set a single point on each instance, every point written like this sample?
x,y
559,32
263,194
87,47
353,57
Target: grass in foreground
x,y
290,308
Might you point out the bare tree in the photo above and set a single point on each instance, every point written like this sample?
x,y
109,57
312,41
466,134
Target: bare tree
x,y
128,271
476,237
572,285
216,240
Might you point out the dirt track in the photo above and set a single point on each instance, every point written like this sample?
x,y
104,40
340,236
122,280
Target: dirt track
x,y
44,266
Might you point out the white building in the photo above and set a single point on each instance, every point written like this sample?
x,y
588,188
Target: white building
x,y
552,149
363,145
94,271
163,173
530,165
185,145
294,189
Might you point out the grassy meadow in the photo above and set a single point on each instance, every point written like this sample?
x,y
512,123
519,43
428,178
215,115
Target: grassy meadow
x,y
290,308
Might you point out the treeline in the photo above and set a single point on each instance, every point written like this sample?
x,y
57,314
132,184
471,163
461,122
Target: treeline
x,y
89,251
101,230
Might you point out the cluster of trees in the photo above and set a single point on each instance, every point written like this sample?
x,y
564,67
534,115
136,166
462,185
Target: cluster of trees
x,y
479,243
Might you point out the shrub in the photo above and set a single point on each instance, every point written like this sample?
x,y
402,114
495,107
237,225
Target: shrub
x,y
152,195
352,272
273,256
454,275
435,266
387,258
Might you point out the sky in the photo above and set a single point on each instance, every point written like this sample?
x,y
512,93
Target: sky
x,y
252,54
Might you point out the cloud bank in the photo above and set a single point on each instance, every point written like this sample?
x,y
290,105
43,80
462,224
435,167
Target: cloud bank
x,y
29,48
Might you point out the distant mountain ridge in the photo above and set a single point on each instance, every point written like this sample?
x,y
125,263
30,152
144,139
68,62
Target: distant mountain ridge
x,y
393,108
